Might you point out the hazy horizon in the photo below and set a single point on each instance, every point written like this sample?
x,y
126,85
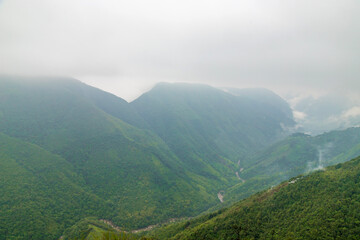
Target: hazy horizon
x,y
86,154
305,51
125,47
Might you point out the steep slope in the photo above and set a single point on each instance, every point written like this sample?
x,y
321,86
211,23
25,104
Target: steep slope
x,y
322,205
105,101
40,193
264,96
206,127
297,154
130,167
166,155
90,229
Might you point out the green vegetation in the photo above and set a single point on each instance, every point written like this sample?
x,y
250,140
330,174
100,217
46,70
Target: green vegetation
x,y
88,228
130,169
209,129
297,154
40,193
322,205
70,152
73,151
93,229
213,120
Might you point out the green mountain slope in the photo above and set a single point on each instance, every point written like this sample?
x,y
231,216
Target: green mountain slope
x,y
90,229
322,205
105,101
130,167
166,155
40,193
292,156
264,96
205,126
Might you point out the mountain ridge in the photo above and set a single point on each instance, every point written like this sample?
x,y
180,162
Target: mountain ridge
x,y
321,205
119,158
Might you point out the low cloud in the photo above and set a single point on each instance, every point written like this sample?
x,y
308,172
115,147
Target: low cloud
x,y
299,116
352,112
305,46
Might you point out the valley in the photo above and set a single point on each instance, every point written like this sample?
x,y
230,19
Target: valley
x,y
179,120
73,154
320,205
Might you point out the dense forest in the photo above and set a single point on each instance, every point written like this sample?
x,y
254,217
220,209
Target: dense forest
x,y
71,152
322,205
296,154
116,160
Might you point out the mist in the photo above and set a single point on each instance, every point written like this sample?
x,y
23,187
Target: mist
x,y
295,48
284,45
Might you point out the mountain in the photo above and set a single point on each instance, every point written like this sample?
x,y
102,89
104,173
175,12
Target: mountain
x,y
264,96
131,168
205,126
297,154
165,155
321,205
41,193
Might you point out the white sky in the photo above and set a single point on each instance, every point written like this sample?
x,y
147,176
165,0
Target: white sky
x,y
125,47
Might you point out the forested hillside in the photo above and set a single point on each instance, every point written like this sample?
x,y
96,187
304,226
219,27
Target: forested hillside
x,y
206,127
322,205
212,120
70,151
41,193
152,120
139,168
297,154
124,165
265,97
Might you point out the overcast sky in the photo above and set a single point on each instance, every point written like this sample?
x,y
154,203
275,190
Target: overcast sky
x,y
127,46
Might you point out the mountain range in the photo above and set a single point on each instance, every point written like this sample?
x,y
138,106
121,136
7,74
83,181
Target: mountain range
x,y
70,151
165,155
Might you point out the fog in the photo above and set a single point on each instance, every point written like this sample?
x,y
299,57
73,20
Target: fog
x,y
294,48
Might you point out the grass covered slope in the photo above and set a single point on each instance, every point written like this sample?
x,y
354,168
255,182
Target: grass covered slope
x,y
322,205
40,193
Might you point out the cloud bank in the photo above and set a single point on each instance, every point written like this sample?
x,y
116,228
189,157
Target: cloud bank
x,y
127,46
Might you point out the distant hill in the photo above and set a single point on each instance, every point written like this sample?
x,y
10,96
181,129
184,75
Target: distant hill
x,y
165,155
205,126
321,205
127,166
297,154
263,96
